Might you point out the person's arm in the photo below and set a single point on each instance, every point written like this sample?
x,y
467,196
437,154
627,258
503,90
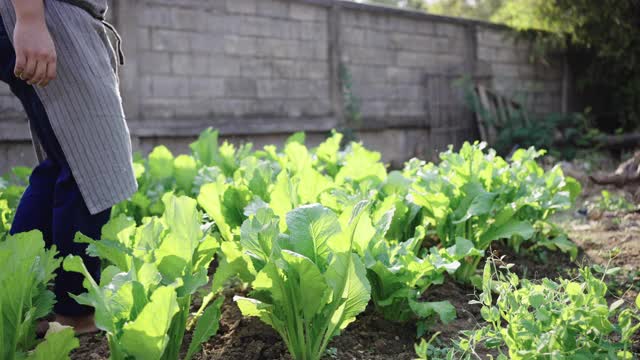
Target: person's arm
x,y
35,51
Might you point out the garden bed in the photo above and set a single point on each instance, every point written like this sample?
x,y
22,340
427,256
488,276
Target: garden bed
x,y
374,338
324,252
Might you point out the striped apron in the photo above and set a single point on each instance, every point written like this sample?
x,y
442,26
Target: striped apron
x,y
83,103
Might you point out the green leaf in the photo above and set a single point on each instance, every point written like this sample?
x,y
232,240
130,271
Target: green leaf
x,y
284,196
94,297
444,309
207,327
259,233
356,227
574,187
234,201
327,153
114,252
185,172
464,248
506,231
205,149
146,337
490,313
310,228
161,163
360,164
56,346
253,307
210,198
298,137
182,218
346,275
298,158
233,262
638,301
27,269
307,283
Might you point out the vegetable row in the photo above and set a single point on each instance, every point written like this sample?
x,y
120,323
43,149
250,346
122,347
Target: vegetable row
x,y
316,234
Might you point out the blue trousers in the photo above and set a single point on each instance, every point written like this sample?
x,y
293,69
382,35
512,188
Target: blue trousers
x,y
52,203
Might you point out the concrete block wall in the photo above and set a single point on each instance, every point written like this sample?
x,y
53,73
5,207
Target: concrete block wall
x,y
232,59
538,85
259,70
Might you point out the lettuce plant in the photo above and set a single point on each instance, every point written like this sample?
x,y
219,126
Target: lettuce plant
x,y
473,198
398,276
157,266
26,273
309,284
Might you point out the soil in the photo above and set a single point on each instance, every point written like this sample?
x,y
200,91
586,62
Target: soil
x,y
373,338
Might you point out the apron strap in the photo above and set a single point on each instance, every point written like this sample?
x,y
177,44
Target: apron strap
x,y
118,48
100,17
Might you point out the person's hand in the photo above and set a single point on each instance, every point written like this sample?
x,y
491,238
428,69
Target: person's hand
x,y
35,52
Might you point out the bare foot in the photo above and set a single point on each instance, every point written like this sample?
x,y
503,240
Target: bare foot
x,y
81,324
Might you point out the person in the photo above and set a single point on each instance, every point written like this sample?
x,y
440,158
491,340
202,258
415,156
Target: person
x,y
57,58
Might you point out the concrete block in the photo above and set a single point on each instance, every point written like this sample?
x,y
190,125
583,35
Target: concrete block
x,y
365,55
144,38
242,6
400,75
306,12
310,31
189,64
169,86
286,69
272,88
170,40
205,43
390,143
411,59
353,36
156,17
273,8
450,30
242,88
255,68
240,45
269,107
154,62
301,89
202,87
145,86
406,25
223,65
232,107
377,39
189,19
314,70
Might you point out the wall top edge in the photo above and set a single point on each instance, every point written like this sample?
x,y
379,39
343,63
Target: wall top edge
x,y
415,14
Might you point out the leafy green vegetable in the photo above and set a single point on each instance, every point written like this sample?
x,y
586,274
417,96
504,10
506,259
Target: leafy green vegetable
x,y
27,270
398,276
56,346
207,326
145,294
309,285
473,198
